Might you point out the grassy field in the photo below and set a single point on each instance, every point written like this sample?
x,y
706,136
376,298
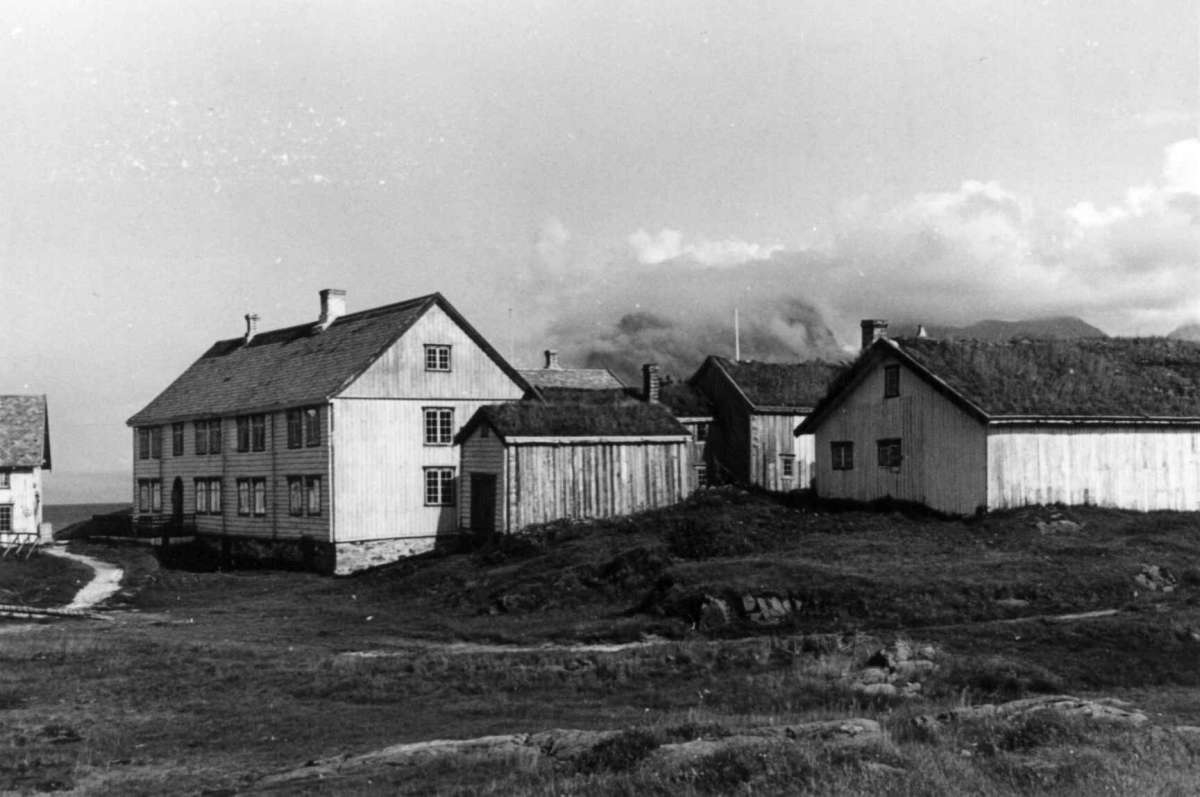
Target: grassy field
x,y
738,612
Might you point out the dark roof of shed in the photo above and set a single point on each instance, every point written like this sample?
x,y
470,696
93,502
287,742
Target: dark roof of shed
x,y
1126,377
573,378
685,400
296,365
535,419
24,432
796,386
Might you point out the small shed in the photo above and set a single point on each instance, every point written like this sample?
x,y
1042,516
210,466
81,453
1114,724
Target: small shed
x,y
526,462
24,456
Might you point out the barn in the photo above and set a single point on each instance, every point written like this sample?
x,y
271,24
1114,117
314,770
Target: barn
x,y
528,462
966,425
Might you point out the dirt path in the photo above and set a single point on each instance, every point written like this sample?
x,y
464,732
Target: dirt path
x,y
104,584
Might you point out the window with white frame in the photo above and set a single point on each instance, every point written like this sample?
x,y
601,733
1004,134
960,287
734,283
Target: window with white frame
x,y
439,426
149,495
843,454
439,486
5,482
208,495
787,466
437,357
6,517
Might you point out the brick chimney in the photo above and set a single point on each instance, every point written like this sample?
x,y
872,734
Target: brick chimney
x,y
552,360
873,329
333,306
651,383
251,326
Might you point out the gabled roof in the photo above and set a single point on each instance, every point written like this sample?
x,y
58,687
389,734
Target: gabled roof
x,y
522,419
1093,379
24,432
777,387
573,378
297,365
685,400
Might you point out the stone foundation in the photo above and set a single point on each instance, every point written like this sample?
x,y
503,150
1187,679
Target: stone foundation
x,y
338,559
350,557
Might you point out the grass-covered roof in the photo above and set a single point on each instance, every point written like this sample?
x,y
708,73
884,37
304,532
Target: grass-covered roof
x,y
536,419
1154,377
795,385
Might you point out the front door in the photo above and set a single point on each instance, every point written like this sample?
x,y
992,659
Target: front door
x,y
483,503
177,501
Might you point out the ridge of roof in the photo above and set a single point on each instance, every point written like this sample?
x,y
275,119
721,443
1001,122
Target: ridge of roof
x,y
536,419
778,387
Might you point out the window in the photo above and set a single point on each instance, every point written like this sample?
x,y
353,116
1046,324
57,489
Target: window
x,y
4,480
701,432
437,357
149,495
439,426
891,381
6,517
177,439
295,431
258,432
208,436
143,443
295,495
439,487
312,427
787,466
156,443
312,489
843,454
252,496
243,433
889,452
701,476
208,496
201,437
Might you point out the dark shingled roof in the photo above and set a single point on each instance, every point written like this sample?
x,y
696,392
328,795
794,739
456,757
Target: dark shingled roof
x,y
534,419
573,378
797,386
294,366
24,432
1129,377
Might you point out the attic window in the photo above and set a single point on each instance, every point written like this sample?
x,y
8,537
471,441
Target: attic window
x,y
437,357
891,381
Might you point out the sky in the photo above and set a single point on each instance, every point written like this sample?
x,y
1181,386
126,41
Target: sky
x,y
611,179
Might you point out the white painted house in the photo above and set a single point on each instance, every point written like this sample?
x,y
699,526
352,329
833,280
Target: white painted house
x,y
963,425
24,455
333,439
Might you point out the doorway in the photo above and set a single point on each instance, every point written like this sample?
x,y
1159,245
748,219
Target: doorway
x,y
483,503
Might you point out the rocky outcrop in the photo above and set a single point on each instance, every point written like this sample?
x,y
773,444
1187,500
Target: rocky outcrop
x,y
1108,710
1154,578
894,671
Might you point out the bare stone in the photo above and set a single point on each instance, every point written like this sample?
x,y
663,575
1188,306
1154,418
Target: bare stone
x,y
714,613
914,667
873,675
874,690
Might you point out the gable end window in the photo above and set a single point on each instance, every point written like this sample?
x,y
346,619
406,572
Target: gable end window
x,y
843,454
439,426
437,357
891,381
890,455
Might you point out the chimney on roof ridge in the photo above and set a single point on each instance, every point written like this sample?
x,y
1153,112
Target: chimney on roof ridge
x,y
333,306
251,326
651,383
552,360
922,332
873,329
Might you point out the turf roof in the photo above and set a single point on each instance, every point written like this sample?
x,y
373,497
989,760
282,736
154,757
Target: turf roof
x,y
792,385
1154,377
24,432
536,419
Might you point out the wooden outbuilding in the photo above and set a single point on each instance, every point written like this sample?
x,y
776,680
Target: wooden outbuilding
x,y
963,425
527,462
331,440
24,456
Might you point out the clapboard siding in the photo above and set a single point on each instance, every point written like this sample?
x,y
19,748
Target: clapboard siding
x,y
773,436
24,495
1131,468
481,454
592,480
944,449
400,371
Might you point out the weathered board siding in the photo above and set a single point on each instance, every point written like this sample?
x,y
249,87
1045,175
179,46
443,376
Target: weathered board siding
x,y
545,482
728,448
400,371
944,449
1132,468
24,494
274,464
482,455
772,436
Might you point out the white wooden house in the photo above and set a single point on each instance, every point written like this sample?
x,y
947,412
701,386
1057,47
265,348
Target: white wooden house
x,y
756,407
332,438
963,426
24,455
527,462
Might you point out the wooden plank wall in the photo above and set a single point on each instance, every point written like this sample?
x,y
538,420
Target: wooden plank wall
x,y
24,493
728,448
593,480
481,455
771,437
944,448
1144,469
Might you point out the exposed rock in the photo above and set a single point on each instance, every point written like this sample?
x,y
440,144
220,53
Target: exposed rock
x,y
1155,579
874,675
714,613
913,668
567,744
874,690
1058,526
1104,710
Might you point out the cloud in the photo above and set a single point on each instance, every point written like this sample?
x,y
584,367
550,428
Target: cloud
x,y
667,244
